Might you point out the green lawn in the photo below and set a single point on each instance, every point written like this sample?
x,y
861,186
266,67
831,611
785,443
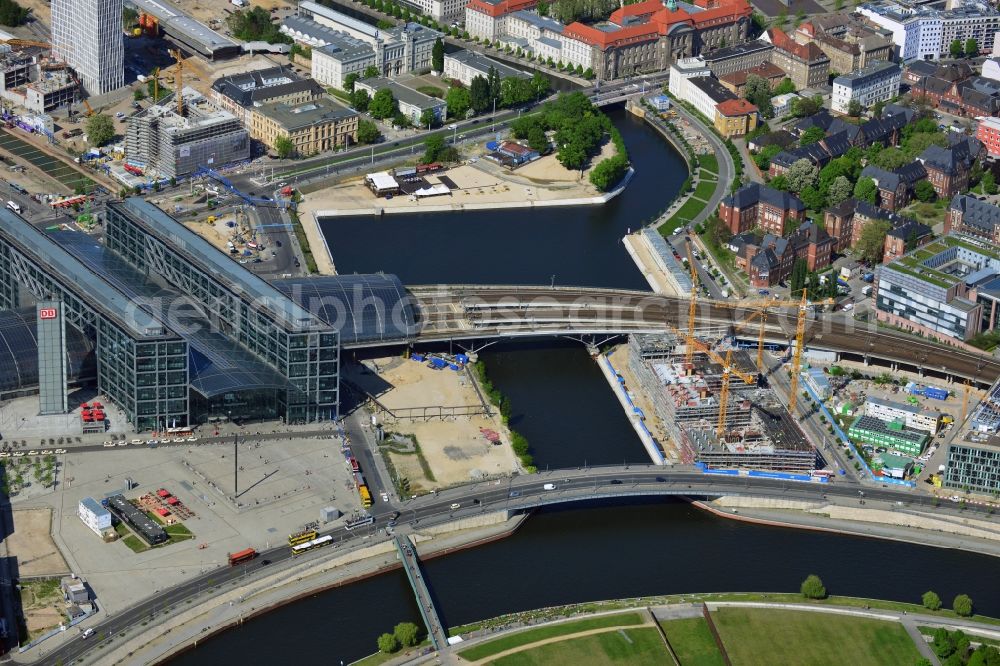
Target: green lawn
x,y
709,162
635,647
136,544
692,641
690,208
541,633
776,637
705,189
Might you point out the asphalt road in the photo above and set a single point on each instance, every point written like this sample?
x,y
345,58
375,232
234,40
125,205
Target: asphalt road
x,y
517,493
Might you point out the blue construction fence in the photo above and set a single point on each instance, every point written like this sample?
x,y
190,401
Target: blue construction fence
x,y
850,445
784,476
634,409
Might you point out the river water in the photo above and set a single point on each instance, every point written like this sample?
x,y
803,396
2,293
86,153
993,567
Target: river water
x,y
578,245
563,405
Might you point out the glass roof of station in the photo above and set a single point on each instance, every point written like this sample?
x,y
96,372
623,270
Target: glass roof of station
x,y
363,308
209,259
75,277
19,351
218,364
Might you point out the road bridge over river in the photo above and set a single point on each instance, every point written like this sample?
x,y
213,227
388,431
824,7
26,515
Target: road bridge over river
x,y
512,495
483,312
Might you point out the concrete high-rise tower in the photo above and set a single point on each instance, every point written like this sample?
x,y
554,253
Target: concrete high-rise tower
x,y
87,34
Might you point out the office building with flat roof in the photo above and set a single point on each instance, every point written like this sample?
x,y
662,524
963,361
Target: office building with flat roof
x,y
893,435
87,35
466,65
172,145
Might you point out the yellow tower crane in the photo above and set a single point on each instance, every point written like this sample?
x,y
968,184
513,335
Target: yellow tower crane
x,y
728,369
800,334
693,307
965,402
179,80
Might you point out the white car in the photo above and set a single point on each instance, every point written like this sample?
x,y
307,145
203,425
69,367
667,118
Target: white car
x,y
137,441
18,454
385,497
150,442
192,439
456,505
4,454
178,440
107,444
47,452
32,453
60,451
124,443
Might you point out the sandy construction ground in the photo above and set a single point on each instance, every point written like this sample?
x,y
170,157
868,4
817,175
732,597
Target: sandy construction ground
x,y
455,448
477,183
31,544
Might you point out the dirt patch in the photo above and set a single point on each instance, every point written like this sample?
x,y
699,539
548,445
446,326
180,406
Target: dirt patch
x,y
32,546
43,604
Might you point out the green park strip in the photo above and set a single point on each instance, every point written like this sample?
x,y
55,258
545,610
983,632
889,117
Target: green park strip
x,y
710,163
705,189
635,647
929,631
767,637
550,631
692,641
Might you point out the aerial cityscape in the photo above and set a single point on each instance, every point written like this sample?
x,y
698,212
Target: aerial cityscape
x,y
500,332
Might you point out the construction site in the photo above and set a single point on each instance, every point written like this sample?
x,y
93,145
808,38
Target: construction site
x,y
717,413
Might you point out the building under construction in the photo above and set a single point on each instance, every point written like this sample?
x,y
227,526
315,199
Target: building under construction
x,y
756,430
171,140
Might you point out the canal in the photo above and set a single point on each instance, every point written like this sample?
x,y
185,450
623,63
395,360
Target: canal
x,y
603,551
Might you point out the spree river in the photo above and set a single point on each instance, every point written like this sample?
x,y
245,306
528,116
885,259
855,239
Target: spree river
x,y
562,404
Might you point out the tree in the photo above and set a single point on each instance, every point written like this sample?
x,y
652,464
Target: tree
x,y
942,644
806,106
877,108
541,85
479,94
284,147
971,48
871,243
433,146
138,95
812,197
437,56
989,183
458,101
387,644
608,172
924,191
493,79
854,108
406,633
786,86
537,139
800,175
371,72
542,8
931,600
956,48
797,280
840,190
572,155
383,104
255,24
758,93
962,605
100,129
368,132
779,182
428,118
350,80
866,190
812,587
812,135
360,100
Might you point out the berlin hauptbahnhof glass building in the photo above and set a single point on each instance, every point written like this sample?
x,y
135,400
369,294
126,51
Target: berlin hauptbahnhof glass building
x,y
177,333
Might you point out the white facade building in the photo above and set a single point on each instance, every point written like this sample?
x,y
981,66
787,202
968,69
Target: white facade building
x,y
878,82
991,68
782,104
912,417
921,33
681,72
87,34
94,516
466,65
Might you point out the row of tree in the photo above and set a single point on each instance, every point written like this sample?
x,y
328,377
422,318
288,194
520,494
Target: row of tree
x,y
969,50
404,634
12,14
255,24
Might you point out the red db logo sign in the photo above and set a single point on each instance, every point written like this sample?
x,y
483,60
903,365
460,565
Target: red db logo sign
x,y
47,313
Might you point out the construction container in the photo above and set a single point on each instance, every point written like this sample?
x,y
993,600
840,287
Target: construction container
x,y
936,393
329,514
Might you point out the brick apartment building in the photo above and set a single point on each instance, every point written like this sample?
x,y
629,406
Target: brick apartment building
x,y
756,205
948,168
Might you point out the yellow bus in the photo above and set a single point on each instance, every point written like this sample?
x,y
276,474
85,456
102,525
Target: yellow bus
x,y
302,537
